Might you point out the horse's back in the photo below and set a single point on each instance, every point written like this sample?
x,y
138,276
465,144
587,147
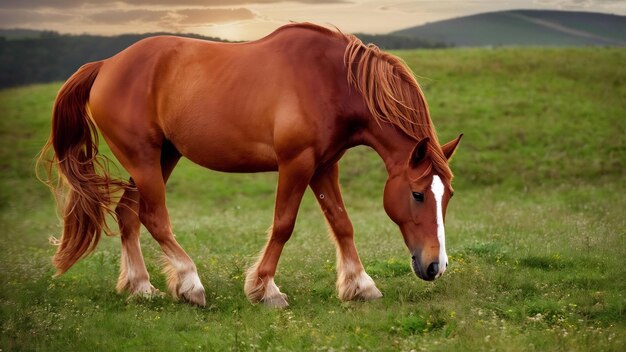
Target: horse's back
x,y
229,107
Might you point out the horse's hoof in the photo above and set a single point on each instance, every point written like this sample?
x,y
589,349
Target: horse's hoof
x,y
190,289
360,288
195,296
278,301
146,293
369,293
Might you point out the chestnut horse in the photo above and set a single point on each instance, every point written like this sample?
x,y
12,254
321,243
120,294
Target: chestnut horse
x,y
291,102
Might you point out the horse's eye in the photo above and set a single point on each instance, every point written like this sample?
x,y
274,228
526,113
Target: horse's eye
x,y
418,196
451,194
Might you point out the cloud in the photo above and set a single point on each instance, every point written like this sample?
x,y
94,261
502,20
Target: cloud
x,y
64,4
609,5
30,4
251,19
171,19
27,17
209,3
202,16
127,16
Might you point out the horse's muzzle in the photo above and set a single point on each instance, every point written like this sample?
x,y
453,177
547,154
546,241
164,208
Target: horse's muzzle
x,y
429,273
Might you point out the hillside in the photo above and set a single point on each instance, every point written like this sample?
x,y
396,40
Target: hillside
x,y
525,27
29,56
22,33
47,56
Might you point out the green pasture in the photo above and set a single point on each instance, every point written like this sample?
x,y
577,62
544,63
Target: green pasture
x,y
536,232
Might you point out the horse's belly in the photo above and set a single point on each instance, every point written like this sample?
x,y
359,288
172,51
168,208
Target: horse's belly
x,y
229,155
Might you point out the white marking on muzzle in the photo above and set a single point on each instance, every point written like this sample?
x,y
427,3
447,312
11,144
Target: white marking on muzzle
x,y
437,188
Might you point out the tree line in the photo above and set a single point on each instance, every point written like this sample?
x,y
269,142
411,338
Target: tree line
x,y
49,56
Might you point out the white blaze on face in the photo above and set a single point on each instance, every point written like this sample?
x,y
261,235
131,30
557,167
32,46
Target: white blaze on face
x,y
437,188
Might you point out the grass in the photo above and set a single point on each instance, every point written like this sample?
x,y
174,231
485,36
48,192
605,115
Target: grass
x,y
536,231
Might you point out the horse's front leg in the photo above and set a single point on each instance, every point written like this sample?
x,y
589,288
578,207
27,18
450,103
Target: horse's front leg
x,y
293,178
353,283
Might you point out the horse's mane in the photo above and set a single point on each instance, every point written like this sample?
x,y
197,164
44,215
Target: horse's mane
x,y
393,95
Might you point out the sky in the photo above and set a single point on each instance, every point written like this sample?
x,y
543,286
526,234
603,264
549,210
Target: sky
x,y
253,19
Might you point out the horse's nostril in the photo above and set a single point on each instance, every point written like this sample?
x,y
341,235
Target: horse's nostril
x,y
432,270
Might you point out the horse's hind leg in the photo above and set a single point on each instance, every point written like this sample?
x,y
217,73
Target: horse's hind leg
x,y
143,158
183,280
353,283
133,274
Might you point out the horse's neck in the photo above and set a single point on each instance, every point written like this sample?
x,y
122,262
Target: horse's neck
x,y
393,145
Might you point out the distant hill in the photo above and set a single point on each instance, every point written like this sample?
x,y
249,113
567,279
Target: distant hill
x,y
45,56
21,33
384,41
391,41
525,27
29,56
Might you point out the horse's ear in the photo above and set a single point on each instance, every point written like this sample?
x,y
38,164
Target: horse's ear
x,y
450,147
419,152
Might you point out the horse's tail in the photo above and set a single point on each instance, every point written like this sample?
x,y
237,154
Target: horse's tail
x,y
74,139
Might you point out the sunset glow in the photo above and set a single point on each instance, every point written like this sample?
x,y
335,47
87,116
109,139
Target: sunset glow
x,y
251,19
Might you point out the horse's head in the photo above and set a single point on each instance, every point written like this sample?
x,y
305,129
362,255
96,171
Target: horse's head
x,y
416,199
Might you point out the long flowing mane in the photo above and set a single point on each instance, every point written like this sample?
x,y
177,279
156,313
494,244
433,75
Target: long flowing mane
x,y
393,95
